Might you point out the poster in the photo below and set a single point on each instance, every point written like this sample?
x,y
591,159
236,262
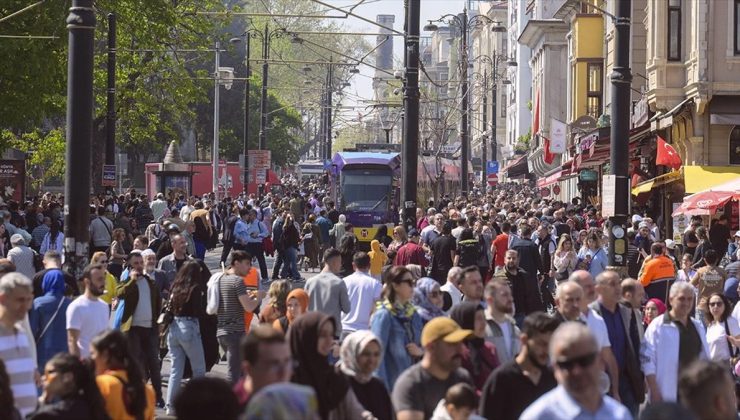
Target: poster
x,y
12,180
680,223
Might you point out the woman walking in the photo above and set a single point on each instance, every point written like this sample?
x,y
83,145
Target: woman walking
x,y
184,339
360,356
565,259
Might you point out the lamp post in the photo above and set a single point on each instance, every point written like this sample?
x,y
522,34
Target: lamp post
x,y
463,22
216,122
266,37
245,170
81,27
410,146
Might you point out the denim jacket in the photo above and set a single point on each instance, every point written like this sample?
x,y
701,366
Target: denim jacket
x,y
393,337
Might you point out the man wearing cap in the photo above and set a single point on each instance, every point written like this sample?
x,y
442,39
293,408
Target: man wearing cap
x,y
411,252
22,256
420,388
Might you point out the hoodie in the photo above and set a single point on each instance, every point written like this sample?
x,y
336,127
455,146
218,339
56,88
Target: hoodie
x,y
377,258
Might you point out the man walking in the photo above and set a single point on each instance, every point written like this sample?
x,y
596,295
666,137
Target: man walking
x,y
501,329
363,291
327,292
87,316
517,383
22,256
101,230
143,305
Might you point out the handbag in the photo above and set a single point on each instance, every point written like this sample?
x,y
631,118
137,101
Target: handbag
x,y
164,321
48,324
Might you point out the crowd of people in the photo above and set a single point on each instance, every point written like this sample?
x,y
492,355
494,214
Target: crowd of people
x,y
498,306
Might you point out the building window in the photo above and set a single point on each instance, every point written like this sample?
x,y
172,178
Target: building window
x,y
737,27
674,30
594,93
503,108
735,146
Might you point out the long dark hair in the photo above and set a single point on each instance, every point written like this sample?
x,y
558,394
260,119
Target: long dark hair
x,y
347,246
725,313
53,233
86,388
7,404
114,344
186,279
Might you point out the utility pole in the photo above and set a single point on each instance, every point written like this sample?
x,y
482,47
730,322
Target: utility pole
x,y
110,120
216,82
464,136
483,139
494,97
410,150
329,105
245,170
263,100
81,27
621,78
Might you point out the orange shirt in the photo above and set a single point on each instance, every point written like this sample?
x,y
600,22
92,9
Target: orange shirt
x,y
251,280
112,391
499,247
659,268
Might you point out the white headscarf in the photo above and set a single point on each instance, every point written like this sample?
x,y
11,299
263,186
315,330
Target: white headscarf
x,y
352,346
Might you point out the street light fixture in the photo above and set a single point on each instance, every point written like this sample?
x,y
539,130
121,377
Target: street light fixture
x,y
354,70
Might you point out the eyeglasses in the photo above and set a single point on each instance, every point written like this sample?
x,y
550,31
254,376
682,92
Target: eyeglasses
x,y
717,303
582,361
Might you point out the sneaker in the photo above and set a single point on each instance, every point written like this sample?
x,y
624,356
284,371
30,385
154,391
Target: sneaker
x,y
160,403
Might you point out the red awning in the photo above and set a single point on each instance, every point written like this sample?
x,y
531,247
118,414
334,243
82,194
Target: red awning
x,y
601,149
513,163
550,179
706,202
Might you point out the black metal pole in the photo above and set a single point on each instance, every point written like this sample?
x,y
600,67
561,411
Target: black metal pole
x,y
464,146
483,139
410,151
110,120
263,100
329,107
247,83
81,27
321,136
621,78
494,98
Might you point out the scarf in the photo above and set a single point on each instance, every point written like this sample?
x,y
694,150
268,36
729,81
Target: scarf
x,y
302,298
426,309
352,346
464,314
312,368
397,309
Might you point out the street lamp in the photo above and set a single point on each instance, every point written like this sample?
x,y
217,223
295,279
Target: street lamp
x,y
463,22
248,34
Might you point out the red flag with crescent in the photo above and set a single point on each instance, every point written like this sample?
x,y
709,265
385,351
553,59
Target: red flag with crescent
x,y
667,155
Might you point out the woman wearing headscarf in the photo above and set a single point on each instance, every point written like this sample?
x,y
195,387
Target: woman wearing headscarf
x,y
283,401
296,304
48,318
311,338
653,308
479,357
377,259
397,325
360,356
428,299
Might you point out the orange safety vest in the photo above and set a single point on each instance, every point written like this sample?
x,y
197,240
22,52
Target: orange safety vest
x,y
251,280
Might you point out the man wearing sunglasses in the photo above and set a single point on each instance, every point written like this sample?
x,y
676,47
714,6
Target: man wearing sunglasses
x,y
574,354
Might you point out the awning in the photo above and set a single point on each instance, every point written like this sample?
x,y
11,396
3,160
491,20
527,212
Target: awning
x,y
664,179
707,202
700,178
550,179
517,168
600,150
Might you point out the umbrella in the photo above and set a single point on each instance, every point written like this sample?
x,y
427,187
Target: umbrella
x,y
707,202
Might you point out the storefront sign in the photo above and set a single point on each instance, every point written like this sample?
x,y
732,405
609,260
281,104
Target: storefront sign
x,y
556,189
640,113
557,136
680,223
584,123
588,175
587,142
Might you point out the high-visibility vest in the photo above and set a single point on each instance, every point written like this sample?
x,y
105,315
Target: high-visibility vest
x,y
251,280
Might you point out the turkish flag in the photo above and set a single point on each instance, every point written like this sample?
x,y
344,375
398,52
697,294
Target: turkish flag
x,y
667,155
549,157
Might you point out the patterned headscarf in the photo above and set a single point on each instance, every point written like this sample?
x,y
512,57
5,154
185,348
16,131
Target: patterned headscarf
x,y
426,309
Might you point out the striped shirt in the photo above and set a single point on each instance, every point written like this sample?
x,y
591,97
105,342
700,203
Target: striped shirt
x,y
16,353
230,310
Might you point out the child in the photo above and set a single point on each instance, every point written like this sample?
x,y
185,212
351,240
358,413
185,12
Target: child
x,y
460,403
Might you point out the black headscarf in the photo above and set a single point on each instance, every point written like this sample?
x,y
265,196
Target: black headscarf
x,y
312,368
464,314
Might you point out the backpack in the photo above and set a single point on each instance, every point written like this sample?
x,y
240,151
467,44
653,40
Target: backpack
x,y
213,294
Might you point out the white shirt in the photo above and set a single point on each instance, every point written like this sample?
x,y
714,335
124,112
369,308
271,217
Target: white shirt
x,y
142,316
363,290
719,347
596,324
90,318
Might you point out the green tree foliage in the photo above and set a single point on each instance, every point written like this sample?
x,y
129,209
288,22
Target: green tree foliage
x,y
45,153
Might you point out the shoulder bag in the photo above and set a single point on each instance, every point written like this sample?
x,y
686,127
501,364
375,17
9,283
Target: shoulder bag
x,y
53,317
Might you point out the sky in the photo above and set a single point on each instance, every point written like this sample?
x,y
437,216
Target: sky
x,y
430,10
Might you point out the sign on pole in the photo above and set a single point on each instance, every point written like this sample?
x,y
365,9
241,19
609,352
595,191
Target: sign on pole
x,y
259,159
491,167
109,176
492,179
608,196
260,176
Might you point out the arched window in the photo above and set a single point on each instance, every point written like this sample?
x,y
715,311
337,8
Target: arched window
x,y
735,146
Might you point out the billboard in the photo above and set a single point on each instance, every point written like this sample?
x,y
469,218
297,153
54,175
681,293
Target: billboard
x,y
12,180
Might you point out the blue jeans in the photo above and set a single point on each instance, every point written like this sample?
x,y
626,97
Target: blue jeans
x,y
230,343
184,341
144,344
291,261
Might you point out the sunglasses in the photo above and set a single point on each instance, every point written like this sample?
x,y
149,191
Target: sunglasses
x,y
716,303
583,362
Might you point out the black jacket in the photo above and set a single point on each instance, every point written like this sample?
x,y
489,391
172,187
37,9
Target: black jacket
x,y
529,256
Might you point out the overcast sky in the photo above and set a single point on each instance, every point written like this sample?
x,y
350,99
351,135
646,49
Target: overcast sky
x,y
430,9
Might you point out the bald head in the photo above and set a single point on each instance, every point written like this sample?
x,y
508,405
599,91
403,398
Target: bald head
x,y
586,281
574,353
568,298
